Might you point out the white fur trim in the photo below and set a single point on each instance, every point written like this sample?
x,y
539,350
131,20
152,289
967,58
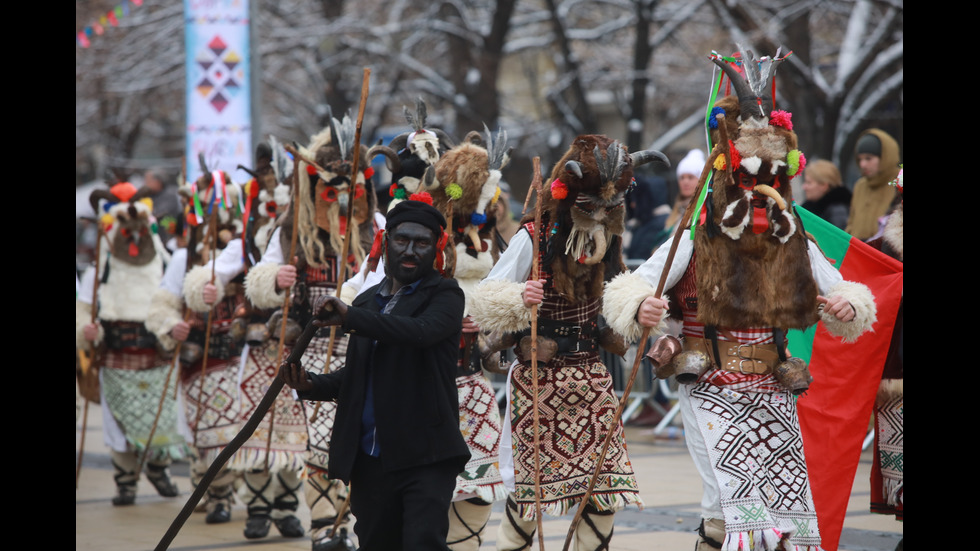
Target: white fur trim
x,y
735,232
894,233
751,164
260,286
164,314
497,306
865,311
126,295
785,217
468,267
620,302
194,283
889,389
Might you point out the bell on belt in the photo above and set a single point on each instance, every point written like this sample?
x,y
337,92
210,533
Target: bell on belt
x,y
689,365
191,353
256,333
794,375
661,355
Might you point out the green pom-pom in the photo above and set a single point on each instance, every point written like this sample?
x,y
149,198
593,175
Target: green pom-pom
x,y
454,191
400,194
795,161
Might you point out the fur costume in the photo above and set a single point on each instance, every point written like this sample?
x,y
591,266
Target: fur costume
x,y
580,246
887,470
748,273
464,187
324,194
133,374
209,385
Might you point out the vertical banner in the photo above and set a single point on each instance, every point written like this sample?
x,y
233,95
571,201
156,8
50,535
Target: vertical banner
x,y
218,93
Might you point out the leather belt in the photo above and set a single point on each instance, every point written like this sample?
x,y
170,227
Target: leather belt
x,y
570,338
747,359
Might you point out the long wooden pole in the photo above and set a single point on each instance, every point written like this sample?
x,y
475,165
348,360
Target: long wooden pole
x,y
207,329
686,220
91,354
535,275
348,231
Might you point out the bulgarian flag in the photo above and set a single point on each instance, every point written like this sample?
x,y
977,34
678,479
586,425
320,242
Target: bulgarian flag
x,y
835,412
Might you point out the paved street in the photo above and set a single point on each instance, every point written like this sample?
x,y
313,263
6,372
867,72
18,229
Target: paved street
x,y
669,483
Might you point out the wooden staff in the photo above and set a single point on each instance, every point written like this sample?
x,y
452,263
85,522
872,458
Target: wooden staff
x,y
286,296
207,328
686,220
89,357
163,397
535,274
345,247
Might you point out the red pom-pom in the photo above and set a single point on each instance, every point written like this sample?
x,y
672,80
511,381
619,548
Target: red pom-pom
x,y
421,196
559,190
781,118
735,155
311,170
392,190
368,172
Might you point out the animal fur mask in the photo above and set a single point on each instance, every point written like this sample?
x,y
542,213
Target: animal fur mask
x,y
752,266
585,211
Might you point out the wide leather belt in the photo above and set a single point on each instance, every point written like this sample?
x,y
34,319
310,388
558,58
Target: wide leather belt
x,y
570,338
747,359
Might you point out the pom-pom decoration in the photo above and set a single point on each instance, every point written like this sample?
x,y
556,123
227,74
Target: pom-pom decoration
x,y
311,170
392,189
712,121
796,162
368,172
422,196
453,191
735,155
558,189
719,163
781,118
478,219
400,193
148,202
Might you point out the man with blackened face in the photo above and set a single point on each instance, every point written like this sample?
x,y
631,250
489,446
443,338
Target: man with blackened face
x,y
396,437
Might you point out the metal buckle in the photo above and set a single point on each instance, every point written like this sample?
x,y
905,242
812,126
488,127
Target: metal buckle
x,y
743,358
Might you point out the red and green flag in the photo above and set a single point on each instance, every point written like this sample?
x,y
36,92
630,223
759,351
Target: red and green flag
x,y
835,412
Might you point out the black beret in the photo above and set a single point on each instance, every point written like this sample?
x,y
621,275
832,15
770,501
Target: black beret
x,y
419,212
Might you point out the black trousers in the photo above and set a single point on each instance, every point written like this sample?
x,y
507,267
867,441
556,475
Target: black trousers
x,y
406,509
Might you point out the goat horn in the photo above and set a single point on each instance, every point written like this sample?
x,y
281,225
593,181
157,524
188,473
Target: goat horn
x,y
768,191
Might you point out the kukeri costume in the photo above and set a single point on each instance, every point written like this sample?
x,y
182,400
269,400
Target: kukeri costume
x,y
209,383
133,372
464,187
320,226
580,246
888,468
272,464
749,274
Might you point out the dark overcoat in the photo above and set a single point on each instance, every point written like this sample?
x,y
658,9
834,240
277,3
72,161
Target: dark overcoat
x,y
413,368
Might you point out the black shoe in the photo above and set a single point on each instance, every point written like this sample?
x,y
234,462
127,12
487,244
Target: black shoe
x,y
257,526
290,527
126,496
162,482
340,542
219,515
